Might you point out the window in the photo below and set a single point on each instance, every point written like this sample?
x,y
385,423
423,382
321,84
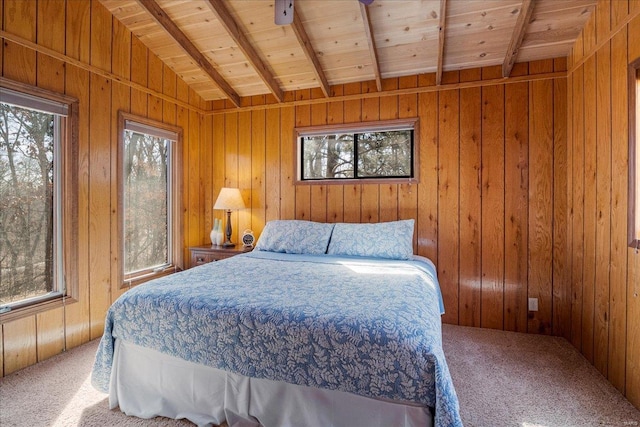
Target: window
x,y
150,171
372,151
38,198
634,154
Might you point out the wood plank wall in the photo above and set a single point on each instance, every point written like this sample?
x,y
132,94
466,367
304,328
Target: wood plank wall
x,y
79,49
604,271
514,199
491,203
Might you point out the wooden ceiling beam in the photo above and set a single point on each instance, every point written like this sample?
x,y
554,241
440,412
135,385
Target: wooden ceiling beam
x,y
441,32
189,48
517,36
373,51
236,33
305,43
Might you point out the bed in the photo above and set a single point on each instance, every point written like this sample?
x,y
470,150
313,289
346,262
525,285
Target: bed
x,y
321,325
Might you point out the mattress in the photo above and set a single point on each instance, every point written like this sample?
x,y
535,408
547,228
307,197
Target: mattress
x,y
364,327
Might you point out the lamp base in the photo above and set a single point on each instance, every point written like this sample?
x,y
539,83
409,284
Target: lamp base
x,y
228,243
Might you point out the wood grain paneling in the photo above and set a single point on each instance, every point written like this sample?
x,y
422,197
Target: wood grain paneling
x,y
85,32
516,212
303,118
120,101
272,171
448,202
20,19
603,207
182,121
633,255
50,333
541,205
619,191
78,30
470,207
407,193
473,204
287,173
603,274
240,219
522,189
561,238
427,227
258,205
493,185
77,315
19,347
577,194
99,202
589,242
101,33
388,201
603,20
139,74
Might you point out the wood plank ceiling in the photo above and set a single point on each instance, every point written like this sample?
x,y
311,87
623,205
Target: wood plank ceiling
x,y
228,49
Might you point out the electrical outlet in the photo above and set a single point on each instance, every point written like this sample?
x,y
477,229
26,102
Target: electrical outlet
x,y
533,304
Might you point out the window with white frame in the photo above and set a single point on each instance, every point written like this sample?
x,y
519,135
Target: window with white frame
x,y
37,195
364,151
150,172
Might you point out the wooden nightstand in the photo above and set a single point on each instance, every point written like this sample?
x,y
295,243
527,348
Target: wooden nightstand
x,y
207,253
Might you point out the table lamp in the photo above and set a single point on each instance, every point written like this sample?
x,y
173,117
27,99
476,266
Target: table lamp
x,y
229,199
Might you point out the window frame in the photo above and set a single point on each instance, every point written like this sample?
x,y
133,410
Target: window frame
x,y
634,152
373,126
65,209
174,211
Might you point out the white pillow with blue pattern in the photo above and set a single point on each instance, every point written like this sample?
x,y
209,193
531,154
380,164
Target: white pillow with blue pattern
x,y
295,237
392,240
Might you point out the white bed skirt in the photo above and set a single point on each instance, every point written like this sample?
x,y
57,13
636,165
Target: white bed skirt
x,y
146,383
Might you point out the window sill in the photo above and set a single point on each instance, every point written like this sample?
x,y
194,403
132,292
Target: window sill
x,y
145,276
352,181
33,309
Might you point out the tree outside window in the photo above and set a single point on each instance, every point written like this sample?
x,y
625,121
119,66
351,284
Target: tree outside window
x,y
26,195
365,151
150,207
38,199
145,197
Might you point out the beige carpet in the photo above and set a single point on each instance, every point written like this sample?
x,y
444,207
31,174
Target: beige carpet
x,y
511,379
502,379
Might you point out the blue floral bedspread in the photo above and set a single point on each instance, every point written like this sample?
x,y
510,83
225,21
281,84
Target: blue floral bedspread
x,y
365,326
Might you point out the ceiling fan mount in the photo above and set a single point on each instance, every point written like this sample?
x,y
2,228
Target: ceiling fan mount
x,y
284,11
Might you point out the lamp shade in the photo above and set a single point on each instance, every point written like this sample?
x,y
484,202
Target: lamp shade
x,y
229,199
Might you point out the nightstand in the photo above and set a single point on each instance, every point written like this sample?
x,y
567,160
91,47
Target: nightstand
x,y
207,253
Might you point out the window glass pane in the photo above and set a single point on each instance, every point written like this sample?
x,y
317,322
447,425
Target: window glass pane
x,y
27,143
146,196
359,151
384,154
327,156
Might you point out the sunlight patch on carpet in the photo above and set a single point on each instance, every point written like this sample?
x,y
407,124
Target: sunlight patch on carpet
x,y
85,397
